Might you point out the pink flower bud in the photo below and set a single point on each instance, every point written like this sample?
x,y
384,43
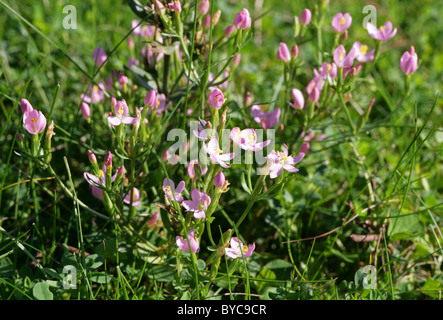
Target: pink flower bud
x,y
248,99
113,102
229,30
243,19
299,100
92,157
175,6
203,7
314,95
236,60
409,61
159,7
294,51
151,99
283,53
153,219
86,110
219,180
306,16
25,105
108,159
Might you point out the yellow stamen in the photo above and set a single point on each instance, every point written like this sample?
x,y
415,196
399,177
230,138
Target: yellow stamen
x,y
342,21
101,173
382,28
342,53
364,49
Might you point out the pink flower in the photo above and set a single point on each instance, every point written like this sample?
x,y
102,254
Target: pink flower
x,y
409,61
277,161
142,31
216,99
95,94
283,53
191,169
299,100
247,139
216,154
202,133
267,119
96,183
317,82
171,192
34,121
341,59
383,33
162,105
341,22
183,244
135,195
238,250
243,19
328,68
305,16
222,83
99,56
199,203
121,115
362,54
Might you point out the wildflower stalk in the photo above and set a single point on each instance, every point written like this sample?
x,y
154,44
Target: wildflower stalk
x,y
254,196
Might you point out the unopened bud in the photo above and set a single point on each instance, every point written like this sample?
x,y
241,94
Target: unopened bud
x,y
219,180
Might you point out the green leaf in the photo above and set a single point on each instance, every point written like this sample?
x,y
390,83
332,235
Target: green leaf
x,y
432,288
41,291
404,227
100,277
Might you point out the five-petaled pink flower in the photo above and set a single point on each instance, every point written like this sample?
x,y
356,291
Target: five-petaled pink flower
x,y
242,20
409,61
278,160
171,191
383,33
216,154
199,203
341,59
238,250
135,195
247,139
183,244
121,115
341,22
267,119
362,54
34,121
